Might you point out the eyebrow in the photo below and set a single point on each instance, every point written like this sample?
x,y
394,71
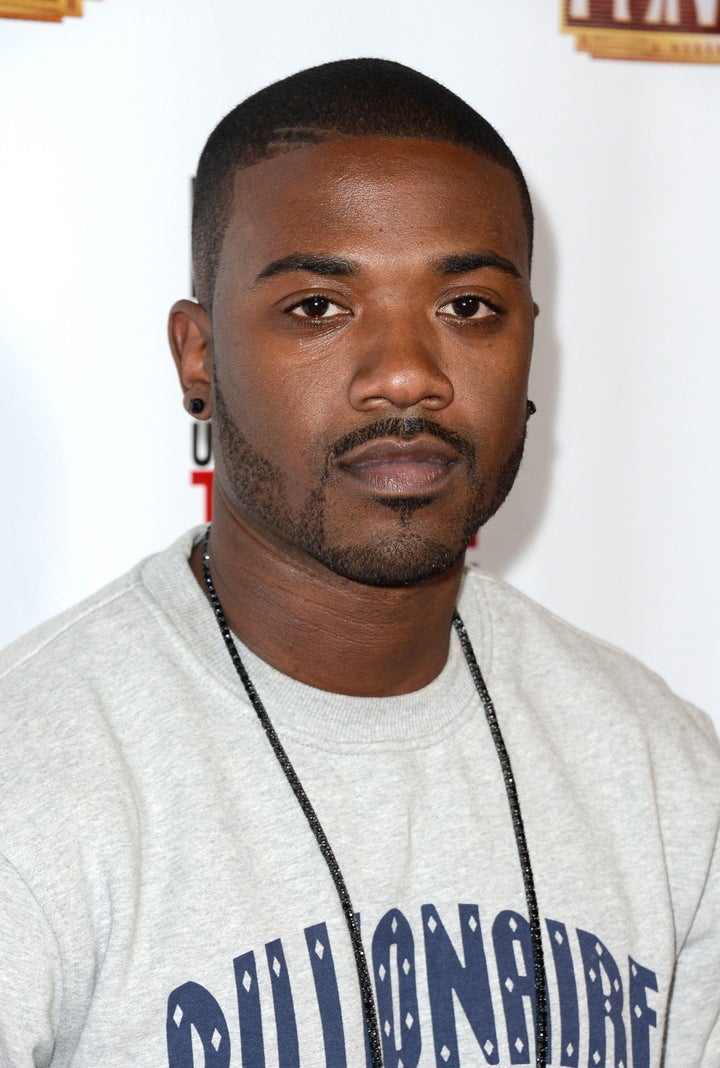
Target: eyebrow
x,y
455,263
325,265
464,262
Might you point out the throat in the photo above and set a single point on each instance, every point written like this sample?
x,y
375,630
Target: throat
x,y
328,631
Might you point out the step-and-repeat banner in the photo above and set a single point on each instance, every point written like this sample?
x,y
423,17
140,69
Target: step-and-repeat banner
x,y
612,107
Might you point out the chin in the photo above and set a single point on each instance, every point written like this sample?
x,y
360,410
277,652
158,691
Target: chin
x,y
405,561
420,542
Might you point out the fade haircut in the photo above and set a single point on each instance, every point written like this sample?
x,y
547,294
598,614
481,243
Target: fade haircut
x,y
349,97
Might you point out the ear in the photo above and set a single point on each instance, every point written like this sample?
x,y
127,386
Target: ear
x,y
190,335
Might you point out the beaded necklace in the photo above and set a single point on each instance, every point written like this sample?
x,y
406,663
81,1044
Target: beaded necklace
x,y
366,990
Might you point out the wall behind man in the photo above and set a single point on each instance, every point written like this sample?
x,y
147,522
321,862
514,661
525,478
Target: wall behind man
x,y
614,518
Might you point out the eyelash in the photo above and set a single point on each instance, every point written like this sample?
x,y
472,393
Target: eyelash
x,y
492,309
317,318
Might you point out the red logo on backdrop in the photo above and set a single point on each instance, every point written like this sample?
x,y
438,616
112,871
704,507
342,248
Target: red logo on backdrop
x,y
202,458
201,448
680,31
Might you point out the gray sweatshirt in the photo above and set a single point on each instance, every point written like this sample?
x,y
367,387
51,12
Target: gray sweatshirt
x,y
163,901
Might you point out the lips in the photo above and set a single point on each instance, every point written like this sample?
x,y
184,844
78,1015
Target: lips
x,y
397,467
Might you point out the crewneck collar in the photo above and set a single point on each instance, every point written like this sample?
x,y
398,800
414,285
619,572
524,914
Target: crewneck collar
x,y
327,719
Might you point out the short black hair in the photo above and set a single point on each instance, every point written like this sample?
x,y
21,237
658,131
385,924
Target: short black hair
x,y
349,97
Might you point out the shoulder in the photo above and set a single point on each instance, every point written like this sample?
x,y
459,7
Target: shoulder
x,y
68,685
102,624
643,761
69,629
85,698
585,678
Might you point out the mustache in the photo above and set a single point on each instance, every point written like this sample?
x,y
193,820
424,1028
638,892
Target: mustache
x,y
396,427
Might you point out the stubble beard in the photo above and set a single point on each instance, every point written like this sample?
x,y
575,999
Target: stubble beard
x,y
404,558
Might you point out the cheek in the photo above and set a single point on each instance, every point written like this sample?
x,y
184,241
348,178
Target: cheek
x,y
286,400
494,390
259,363
281,419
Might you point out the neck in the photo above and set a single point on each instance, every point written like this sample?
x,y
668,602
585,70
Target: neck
x,y
325,630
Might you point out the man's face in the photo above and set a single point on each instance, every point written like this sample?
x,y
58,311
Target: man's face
x,y
371,335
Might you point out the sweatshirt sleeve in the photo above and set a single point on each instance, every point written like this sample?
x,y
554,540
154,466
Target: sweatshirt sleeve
x,y
30,976
693,1027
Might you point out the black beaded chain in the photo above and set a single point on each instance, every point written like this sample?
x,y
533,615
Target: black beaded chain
x,y
541,1037
366,990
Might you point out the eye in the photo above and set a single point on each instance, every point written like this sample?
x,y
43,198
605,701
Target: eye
x,y
468,306
317,307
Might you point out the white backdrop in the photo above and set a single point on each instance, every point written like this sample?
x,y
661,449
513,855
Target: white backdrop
x,y
614,520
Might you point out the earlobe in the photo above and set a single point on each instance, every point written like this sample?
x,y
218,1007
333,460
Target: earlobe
x,y
190,336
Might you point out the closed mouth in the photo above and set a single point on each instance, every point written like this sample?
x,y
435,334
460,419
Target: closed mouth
x,y
400,467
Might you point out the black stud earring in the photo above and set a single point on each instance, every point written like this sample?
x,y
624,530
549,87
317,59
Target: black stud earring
x,y
196,406
531,408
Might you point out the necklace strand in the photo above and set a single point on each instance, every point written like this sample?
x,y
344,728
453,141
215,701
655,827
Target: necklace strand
x,y
366,990
520,840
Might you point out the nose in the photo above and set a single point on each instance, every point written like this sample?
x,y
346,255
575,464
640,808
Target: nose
x,y
400,368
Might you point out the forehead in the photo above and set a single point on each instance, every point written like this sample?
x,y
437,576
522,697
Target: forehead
x,y
369,196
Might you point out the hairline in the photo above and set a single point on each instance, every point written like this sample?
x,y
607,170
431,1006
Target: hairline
x,y
225,204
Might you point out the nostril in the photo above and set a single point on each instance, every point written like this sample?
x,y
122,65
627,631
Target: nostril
x,y
401,380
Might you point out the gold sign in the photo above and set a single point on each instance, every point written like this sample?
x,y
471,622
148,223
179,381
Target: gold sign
x,y
42,10
679,31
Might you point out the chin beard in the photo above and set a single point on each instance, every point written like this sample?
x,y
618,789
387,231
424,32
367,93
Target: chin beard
x,y
405,558
399,561
408,557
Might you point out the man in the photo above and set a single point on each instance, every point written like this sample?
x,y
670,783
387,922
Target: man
x,y
260,805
